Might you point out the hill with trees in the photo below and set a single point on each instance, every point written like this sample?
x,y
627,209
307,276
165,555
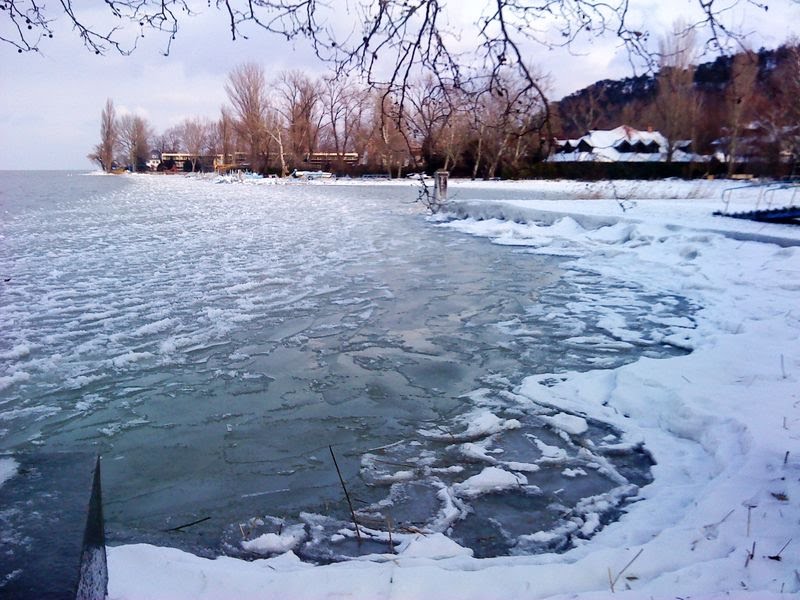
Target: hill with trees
x,y
742,107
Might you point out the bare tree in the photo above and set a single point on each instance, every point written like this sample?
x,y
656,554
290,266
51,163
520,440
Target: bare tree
x,y
413,32
134,137
226,136
213,141
247,91
740,97
298,102
274,126
509,120
170,140
454,137
109,138
780,117
388,141
196,136
430,110
791,102
677,103
586,111
344,105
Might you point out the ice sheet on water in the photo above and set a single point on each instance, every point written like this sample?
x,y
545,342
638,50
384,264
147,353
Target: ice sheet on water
x,y
476,493
571,424
491,479
223,315
471,426
286,539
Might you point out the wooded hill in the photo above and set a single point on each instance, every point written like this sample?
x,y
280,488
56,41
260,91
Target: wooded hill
x,y
748,94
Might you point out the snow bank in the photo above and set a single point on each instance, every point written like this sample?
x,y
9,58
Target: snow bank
x,y
722,517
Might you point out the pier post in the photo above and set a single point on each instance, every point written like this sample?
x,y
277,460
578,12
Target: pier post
x,y
440,186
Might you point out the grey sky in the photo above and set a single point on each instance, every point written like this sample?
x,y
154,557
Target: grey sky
x,y
50,103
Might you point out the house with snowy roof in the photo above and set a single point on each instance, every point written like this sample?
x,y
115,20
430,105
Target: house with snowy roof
x,y
623,144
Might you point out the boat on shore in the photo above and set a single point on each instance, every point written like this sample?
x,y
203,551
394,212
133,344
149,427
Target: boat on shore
x,y
311,174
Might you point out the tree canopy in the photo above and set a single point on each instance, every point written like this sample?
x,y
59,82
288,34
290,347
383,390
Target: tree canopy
x,y
388,41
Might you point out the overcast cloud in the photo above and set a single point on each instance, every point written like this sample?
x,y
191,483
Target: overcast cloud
x,y
50,103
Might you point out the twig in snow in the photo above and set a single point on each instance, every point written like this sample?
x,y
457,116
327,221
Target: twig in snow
x,y
750,555
785,458
184,526
613,581
395,464
384,447
389,528
778,555
346,495
710,530
725,518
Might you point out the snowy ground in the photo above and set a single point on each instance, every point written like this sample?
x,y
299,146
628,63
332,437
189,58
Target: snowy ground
x,y
722,517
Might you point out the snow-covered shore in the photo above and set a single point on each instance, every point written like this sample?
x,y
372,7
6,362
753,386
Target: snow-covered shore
x,y
722,423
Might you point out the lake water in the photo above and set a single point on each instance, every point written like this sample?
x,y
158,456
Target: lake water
x,y
212,342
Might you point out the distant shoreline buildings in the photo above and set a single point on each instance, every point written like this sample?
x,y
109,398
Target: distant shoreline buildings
x,y
624,144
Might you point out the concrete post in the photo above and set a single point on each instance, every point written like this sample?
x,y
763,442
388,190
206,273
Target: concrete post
x,y
440,186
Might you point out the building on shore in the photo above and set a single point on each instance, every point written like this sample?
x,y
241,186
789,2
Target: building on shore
x,y
623,144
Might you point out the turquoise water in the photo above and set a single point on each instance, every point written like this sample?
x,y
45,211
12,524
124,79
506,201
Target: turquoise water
x,y
212,341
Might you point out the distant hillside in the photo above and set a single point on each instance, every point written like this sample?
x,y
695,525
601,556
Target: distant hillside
x,y
609,103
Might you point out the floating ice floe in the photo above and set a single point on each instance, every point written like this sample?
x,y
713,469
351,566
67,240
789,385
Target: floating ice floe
x,y
8,468
491,479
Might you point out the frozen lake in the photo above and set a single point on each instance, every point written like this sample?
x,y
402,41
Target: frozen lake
x,y
212,341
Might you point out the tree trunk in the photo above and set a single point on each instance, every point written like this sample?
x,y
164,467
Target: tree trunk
x,y
478,155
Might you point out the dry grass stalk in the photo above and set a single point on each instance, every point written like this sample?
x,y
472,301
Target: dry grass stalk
x,y
389,528
614,581
750,555
346,495
778,555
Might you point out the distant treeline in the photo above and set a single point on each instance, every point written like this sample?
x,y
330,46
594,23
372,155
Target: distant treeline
x,y
742,109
